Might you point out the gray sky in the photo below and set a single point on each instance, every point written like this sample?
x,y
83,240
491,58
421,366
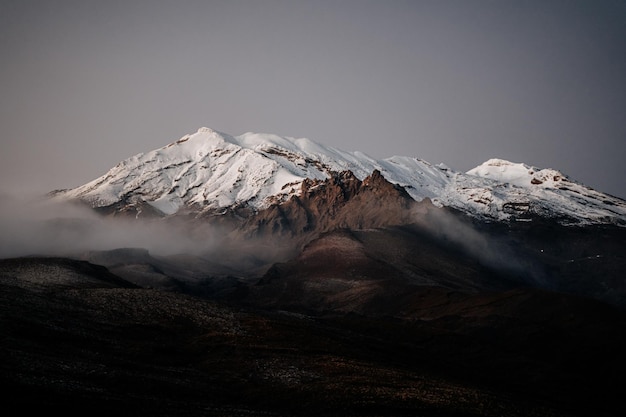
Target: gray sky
x,y
86,83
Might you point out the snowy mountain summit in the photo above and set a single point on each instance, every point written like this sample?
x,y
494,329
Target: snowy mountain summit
x,y
209,171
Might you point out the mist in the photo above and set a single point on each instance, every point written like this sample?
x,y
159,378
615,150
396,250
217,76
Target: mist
x,y
494,251
40,226
37,226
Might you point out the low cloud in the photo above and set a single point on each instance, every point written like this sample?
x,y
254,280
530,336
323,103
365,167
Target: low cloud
x,y
39,226
35,226
492,250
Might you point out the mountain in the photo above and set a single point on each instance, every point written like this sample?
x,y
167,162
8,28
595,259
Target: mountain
x,y
264,203
265,276
208,173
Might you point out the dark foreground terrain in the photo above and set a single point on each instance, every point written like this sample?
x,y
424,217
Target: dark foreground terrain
x,y
78,340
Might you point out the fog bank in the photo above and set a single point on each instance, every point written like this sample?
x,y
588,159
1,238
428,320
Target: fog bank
x,y
38,226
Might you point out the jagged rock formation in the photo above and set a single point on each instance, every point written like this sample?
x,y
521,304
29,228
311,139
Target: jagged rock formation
x,y
341,201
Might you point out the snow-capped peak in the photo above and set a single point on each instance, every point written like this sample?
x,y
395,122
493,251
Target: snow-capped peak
x,y
210,170
518,173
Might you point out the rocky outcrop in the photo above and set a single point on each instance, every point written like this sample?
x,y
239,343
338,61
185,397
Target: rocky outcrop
x,y
339,202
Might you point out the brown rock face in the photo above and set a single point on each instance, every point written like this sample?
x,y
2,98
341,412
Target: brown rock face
x,y
342,201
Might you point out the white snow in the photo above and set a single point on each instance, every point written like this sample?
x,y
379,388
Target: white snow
x,y
167,205
517,173
210,169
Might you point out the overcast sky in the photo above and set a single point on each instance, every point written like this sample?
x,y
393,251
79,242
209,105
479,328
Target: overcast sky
x,y
85,84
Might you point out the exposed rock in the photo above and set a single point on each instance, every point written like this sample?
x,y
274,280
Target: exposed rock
x,y
342,201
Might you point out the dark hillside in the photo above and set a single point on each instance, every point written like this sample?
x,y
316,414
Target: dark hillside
x,y
113,349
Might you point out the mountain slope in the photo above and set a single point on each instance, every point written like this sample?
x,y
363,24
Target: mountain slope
x,y
208,171
387,270
502,189
108,348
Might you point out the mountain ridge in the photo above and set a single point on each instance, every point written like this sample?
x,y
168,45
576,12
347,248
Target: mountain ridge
x,y
209,171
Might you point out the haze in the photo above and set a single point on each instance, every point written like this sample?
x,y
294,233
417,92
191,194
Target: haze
x,y
86,84
33,226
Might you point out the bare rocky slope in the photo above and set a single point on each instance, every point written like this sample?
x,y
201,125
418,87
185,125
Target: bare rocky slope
x,y
87,343
380,271
440,316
